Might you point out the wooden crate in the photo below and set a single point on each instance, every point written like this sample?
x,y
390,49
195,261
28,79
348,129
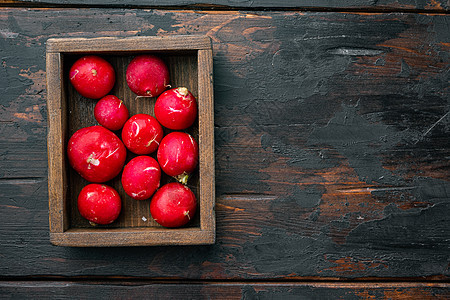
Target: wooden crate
x,y
189,59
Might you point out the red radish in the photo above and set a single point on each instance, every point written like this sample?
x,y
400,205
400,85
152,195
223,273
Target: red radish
x,y
99,203
173,205
111,112
92,76
142,134
147,75
178,155
141,177
96,153
176,108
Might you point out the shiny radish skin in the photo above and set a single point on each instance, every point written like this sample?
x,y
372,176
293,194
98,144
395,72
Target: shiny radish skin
x,y
142,134
147,75
173,205
176,108
99,203
111,112
96,153
92,76
178,155
141,177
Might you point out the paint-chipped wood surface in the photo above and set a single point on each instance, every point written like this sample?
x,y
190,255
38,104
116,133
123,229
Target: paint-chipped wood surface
x,y
331,147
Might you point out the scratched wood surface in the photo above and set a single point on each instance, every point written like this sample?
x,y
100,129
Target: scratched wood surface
x,y
332,146
248,4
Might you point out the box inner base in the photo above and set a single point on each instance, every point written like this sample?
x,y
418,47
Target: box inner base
x,y
80,113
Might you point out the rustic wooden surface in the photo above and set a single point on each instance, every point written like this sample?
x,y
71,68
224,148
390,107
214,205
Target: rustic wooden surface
x,y
332,152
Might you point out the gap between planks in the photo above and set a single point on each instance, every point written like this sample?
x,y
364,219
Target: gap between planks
x,y
442,281
347,190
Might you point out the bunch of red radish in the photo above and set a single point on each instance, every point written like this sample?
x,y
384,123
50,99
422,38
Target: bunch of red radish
x,y
98,155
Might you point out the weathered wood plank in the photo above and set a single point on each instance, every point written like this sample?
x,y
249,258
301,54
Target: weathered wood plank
x,y
246,4
205,290
331,145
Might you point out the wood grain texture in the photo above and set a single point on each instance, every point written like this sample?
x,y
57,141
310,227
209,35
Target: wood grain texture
x,y
206,140
246,4
331,145
129,44
69,112
56,114
223,290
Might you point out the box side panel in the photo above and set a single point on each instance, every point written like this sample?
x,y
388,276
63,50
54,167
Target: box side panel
x,y
116,44
206,136
56,136
131,237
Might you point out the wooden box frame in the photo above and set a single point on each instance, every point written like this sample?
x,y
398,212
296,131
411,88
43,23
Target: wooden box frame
x,y
61,232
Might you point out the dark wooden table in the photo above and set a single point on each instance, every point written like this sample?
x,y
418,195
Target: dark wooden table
x,y
332,152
